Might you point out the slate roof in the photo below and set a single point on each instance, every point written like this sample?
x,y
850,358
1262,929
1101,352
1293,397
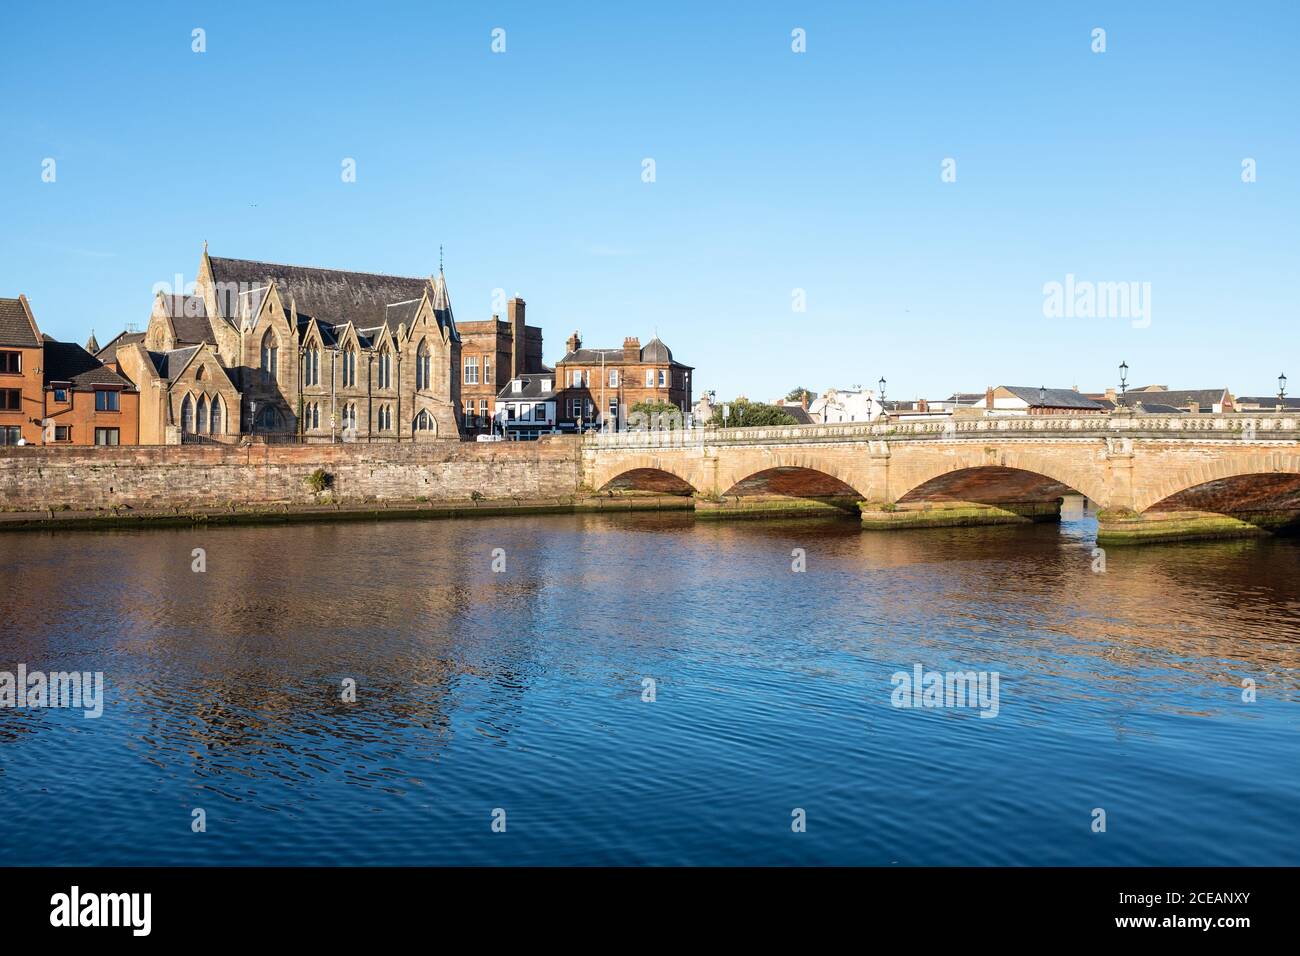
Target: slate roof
x,y
1052,397
652,351
332,295
1267,403
69,362
189,317
798,413
1204,397
532,389
15,329
170,364
109,352
1157,408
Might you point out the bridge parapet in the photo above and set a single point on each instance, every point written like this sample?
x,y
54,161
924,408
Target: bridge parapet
x,y
1234,426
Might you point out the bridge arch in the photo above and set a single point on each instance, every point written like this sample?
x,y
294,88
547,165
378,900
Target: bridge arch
x,y
646,473
790,473
999,474
1260,489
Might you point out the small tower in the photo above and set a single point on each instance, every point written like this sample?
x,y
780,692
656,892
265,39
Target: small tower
x,y
92,346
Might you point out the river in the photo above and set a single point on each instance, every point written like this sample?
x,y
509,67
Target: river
x,y
650,689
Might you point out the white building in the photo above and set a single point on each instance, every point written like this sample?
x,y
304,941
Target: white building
x,y
845,405
526,406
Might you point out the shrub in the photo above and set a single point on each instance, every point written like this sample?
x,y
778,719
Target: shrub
x,y
319,480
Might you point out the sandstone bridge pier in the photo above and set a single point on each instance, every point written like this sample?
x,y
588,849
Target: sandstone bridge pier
x,y
1151,477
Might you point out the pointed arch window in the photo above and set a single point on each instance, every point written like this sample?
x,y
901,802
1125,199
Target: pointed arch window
x,y
187,416
201,415
270,354
349,367
385,367
424,423
311,365
423,365
216,416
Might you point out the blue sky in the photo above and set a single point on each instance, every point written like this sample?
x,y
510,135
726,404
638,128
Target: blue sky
x,y
775,171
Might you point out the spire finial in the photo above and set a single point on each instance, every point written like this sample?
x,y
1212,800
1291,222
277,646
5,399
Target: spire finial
x,y
440,258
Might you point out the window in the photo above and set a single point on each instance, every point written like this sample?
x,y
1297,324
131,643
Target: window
x,y
424,423
663,378
539,412
215,417
106,401
312,415
471,370
61,395
349,368
201,415
469,412
649,378
62,433
422,366
613,378
10,434
385,368
11,363
311,366
576,378
106,436
487,369
187,418
270,354
510,413
575,408
11,399
483,408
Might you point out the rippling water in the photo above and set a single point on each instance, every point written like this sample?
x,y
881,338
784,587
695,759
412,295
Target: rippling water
x,y
523,691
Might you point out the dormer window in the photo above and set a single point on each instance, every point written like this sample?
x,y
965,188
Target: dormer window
x,y
546,385
517,385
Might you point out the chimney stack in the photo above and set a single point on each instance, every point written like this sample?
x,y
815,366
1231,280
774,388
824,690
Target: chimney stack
x,y
515,316
574,343
988,397
631,349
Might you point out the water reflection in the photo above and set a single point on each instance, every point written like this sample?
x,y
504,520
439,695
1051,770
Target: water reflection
x,y
523,689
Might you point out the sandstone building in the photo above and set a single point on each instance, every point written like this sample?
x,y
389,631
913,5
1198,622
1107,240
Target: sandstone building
x,y
284,352
606,383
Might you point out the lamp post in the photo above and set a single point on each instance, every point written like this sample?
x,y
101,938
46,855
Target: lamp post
x,y
1281,392
1042,399
881,383
1123,377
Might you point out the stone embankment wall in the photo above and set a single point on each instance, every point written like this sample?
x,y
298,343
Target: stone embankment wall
x,y
156,477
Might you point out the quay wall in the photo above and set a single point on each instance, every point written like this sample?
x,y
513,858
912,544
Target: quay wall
x,y
242,477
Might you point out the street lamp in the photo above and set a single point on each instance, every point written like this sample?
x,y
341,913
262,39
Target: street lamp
x,y
1042,399
1281,391
1123,377
881,383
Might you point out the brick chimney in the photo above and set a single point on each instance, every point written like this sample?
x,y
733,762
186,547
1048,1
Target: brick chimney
x,y
1111,396
515,316
988,397
922,405
574,343
631,349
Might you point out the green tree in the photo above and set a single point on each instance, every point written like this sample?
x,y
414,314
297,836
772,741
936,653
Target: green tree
x,y
799,394
747,414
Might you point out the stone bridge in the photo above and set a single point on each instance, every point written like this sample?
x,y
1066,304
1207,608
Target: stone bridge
x,y
1150,476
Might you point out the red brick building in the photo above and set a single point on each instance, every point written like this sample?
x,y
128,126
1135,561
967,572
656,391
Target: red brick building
x,y
492,354
603,384
56,392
